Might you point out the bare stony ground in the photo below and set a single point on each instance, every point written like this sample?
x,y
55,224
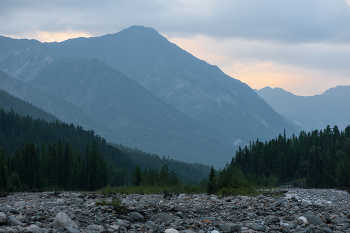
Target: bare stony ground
x,y
289,210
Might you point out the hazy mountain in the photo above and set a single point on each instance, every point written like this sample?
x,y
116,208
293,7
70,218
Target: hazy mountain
x,y
9,102
311,112
140,118
61,109
194,87
23,58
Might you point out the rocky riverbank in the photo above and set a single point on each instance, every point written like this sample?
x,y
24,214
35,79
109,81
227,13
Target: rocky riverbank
x,y
295,210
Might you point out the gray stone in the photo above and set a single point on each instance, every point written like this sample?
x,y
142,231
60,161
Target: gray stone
x,y
314,220
150,225
95,227
123,222
3,218
12,221
128,218
9,230
163,216
209,218
323,229
60,202
99,219
20,217
62,220
256,227
158,220
273,219
67,229
33,229
299,229
187,231
230,227
290,226
137,217
78,201
171,230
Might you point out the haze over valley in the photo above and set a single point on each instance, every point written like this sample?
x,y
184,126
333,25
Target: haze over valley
x,y
126,98
137,89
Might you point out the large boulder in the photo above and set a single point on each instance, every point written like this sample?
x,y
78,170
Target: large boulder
x,y
12,221
313,219
136,216
62,220
256,227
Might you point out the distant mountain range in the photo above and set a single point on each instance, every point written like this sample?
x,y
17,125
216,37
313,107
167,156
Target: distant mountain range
x,y
139,118
174,104
311,112
194,87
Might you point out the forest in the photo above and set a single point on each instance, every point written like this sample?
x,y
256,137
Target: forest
x,y
321,158
36,154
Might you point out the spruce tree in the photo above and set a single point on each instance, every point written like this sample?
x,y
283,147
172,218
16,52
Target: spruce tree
x,y
212,186
136,176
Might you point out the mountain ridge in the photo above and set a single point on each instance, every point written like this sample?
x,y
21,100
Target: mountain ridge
x,y
140,118
311,112
194,87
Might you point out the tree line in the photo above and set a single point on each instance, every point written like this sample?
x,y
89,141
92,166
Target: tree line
x,y
320,157
152,177
54,165
36,154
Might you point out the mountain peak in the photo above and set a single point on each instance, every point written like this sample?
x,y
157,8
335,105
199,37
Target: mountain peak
x,y
337,91
138,28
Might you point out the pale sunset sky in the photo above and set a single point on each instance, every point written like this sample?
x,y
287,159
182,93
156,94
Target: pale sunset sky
x,y
302,46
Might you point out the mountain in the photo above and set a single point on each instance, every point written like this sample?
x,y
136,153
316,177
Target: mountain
x,y
23,108
23,58
139,118
61,109
192,86
311,112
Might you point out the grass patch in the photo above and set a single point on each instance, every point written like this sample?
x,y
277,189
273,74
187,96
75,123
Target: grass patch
x,y
154,189
244,191
114,201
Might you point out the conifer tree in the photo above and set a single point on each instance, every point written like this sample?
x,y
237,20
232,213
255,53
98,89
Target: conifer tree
x,y
136,176
212,184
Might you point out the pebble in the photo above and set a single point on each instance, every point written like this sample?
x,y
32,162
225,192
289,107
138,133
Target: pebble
x,y
297,210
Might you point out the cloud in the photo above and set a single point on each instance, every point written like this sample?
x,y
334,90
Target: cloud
x,y
320,56
45,36
304,69
252,40
296,21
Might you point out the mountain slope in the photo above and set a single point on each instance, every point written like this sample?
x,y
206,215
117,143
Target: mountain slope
x,y
311,112
141,119
61,109
22,59
9,102
194,87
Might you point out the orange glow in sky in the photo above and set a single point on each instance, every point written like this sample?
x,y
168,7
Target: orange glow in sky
x,y
297,80
44,36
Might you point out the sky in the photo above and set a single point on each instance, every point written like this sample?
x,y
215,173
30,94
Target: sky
x,y
302,46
